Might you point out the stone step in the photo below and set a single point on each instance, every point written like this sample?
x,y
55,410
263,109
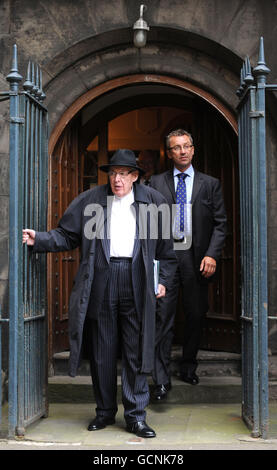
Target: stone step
x,y
211,363
64,389
219,373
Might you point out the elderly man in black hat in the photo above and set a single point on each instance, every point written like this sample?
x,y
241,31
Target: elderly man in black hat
x,y
113,299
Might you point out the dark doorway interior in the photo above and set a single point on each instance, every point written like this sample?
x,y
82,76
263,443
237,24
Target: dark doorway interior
x,y
139,117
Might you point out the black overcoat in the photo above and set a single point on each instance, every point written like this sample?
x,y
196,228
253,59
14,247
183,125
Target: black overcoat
x,y
74,231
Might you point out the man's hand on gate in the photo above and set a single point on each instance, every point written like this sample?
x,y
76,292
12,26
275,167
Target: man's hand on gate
x,y
28,236
161,291
208,266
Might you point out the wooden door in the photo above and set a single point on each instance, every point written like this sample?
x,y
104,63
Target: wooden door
x,y
62,267
72,171
219,158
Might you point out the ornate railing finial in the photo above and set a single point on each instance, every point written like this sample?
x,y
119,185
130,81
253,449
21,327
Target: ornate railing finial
x,y
261,69
249,79
42,94
28,86
14,76
35,87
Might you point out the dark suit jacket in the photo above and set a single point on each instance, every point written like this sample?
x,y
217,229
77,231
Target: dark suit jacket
x,y
208,212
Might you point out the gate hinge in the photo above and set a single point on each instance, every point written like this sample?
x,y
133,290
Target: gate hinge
x,y
256,114
17,120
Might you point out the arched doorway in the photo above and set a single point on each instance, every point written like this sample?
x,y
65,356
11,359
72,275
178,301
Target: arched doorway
x,y
137,112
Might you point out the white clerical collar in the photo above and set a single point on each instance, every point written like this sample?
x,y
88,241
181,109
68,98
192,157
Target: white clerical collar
x,y
127,200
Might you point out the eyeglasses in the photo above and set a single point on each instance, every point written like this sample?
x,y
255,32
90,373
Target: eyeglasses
x,y
178,148
122,174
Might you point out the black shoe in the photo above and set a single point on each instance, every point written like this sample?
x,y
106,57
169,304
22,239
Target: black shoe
x,y
160,391
100,422
141,429
190,379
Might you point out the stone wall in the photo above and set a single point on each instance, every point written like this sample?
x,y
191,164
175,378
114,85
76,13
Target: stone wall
x,y
80,44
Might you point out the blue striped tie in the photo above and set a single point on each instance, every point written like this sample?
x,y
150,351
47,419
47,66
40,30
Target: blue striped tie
x,y
181,200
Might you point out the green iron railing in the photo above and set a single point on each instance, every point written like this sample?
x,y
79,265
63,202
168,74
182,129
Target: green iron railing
x,y
27,319
253,202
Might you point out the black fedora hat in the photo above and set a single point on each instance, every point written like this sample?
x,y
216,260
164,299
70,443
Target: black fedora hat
x,y
122,157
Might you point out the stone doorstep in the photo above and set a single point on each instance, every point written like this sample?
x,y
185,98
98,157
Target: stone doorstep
x,y
209,390
219,372
217,390
211,363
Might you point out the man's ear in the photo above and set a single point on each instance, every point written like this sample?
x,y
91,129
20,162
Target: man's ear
x,y
136,174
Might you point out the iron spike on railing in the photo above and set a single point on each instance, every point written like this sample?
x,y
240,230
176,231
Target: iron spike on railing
x,y
240,89
243,75
28,85
38,91
249,77
43,95
14,76
34,89
32,78
39,83
261,68
246,77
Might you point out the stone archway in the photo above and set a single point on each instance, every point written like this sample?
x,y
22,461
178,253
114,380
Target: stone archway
x,y
170,52
121,82
116,96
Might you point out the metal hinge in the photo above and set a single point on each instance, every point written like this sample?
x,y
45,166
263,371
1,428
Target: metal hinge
x,y
256,114
17,120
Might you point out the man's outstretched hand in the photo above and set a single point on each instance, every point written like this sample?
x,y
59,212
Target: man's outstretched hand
x,y
28,236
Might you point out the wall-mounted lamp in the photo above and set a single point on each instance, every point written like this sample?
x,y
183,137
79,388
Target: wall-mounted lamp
x,y
140,29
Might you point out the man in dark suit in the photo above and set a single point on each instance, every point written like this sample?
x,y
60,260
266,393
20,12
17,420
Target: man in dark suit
x,y
196,264
114,286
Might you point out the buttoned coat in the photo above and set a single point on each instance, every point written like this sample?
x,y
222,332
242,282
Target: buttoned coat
x,y
75,229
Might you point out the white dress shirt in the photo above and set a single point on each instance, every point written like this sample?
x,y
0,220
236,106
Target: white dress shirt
x,y
123,226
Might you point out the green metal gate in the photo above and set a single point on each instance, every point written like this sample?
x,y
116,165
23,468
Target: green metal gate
x,y
27,319
253,200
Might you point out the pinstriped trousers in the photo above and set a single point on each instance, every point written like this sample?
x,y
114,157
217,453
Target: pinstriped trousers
x,y
118,321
